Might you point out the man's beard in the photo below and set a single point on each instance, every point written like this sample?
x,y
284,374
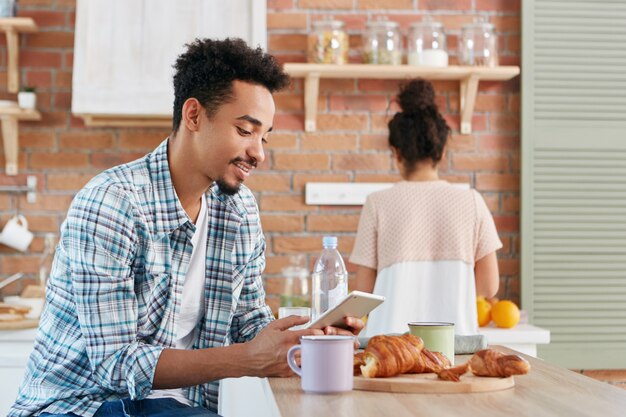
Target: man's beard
x,y
226,188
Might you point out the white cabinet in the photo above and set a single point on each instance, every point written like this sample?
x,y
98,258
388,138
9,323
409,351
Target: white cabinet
x,y
15,348
124,52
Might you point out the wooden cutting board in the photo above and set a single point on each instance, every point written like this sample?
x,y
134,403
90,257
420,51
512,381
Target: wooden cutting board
x,y
19,324
430,384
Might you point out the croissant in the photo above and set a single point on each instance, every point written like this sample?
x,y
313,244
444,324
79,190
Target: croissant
x,y
488,362
387,356
429,362
358,361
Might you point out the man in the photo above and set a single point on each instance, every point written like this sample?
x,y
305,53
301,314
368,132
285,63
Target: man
x,y
155,293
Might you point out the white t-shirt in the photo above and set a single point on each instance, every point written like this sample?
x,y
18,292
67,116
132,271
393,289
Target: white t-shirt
x,y
192,303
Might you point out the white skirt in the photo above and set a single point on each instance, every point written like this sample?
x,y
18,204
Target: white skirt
x,y
426,291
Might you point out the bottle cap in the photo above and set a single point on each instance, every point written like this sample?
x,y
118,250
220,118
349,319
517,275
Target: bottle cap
x,y
329,241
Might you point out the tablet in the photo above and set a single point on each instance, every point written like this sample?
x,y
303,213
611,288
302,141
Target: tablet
x,y
356,304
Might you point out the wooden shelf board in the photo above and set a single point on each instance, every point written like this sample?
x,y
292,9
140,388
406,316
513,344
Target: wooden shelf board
x,y
19,24
125,120
401,71
19,113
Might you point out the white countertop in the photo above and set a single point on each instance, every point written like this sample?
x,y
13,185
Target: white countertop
x,y
18,335
15,347
522,333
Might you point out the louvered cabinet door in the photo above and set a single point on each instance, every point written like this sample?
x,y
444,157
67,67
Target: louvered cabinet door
x,y
574,179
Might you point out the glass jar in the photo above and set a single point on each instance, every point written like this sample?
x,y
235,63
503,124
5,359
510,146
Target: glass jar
x,y
296,289
328,43
478,45
382,43
427,44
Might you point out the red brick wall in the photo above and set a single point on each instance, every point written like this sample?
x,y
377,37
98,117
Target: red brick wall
x,y
350,144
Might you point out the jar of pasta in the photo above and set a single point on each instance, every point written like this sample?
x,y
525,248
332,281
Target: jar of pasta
x,y
328,43
382,43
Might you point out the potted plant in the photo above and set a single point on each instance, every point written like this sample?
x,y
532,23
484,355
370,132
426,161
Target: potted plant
x,y
27,97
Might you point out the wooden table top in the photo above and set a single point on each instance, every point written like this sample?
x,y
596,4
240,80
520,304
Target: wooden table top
x,y
547,390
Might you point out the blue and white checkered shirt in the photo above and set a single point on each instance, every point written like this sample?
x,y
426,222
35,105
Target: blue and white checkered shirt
x,y
116,285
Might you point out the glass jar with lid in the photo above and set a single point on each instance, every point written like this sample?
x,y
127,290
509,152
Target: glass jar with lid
x,y
382,43
328,42
427,44
478,45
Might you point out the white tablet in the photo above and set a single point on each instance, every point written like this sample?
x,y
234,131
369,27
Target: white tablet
x,y
356,304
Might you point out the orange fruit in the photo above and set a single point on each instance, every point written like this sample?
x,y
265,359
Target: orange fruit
x,y
505,314
483,308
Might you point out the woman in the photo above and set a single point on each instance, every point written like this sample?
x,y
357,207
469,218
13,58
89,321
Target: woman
x,y
426,245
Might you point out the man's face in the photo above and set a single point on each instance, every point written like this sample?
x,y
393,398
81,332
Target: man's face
x,y
229,145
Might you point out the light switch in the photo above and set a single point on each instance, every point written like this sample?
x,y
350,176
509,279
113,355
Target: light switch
x,y
342,193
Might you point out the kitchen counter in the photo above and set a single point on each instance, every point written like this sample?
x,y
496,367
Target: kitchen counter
x,y
523,338
15,348
546,391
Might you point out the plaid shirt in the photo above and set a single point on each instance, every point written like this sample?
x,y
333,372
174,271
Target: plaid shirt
x,y
116,285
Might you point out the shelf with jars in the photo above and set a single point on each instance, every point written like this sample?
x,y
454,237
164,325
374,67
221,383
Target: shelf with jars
x,y
469,77
427,57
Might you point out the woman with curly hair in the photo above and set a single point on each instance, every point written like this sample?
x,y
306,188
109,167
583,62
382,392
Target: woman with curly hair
x,y
428,246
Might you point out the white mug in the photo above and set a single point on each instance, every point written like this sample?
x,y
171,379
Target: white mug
x,y
16,234
327,363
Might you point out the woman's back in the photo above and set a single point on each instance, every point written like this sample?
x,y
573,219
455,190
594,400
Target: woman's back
x,y
423,238
425,244
427,220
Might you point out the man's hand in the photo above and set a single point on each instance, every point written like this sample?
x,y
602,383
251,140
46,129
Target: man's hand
x,y
267,352
355,325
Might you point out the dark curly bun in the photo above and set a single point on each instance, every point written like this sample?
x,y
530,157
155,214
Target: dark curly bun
x,y
417,96
419,132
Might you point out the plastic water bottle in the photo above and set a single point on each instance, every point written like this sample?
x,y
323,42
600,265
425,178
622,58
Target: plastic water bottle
x,y
329,279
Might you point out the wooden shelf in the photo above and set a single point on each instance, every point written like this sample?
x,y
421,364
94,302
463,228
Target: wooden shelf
x,y
126,120
11,26
9,116
19,113
469,78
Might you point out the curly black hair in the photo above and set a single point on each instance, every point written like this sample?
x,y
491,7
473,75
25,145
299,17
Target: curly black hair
x,y
208,67
419,132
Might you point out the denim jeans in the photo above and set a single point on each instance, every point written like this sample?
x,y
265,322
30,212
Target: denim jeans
x,y
158,407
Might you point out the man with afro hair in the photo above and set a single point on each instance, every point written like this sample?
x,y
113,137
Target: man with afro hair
x,y
156,293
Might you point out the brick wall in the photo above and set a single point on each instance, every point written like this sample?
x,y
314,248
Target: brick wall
x,y
350,144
